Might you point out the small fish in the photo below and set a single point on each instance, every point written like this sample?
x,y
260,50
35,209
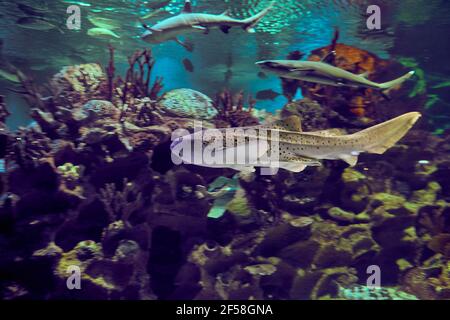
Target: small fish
x,y
154,5
8,75
188,65
32,11
323,73
37,24
442,85
102,33
187,21
285,141
262,75
268,94
153,14
104,23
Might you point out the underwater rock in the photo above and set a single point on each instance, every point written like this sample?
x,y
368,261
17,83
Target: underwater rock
x,y
322,284
106,278
101,109
419,282
441,244
354,194
440,175
341,215
287,233
188,103
79,84
316,116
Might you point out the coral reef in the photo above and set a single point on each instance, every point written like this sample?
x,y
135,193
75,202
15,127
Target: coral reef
x,y
91,185
232,112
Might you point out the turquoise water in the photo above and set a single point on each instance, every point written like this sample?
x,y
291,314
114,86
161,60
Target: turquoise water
x,y
413,29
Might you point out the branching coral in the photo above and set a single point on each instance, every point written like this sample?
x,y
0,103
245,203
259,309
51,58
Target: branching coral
x,y
137,82
231,110
29,145
121,204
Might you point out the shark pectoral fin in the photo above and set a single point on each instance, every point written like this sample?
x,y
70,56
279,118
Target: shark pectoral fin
x,y
201,28
247,154
350,159
225,29
248,169
297,159
187,46
187,7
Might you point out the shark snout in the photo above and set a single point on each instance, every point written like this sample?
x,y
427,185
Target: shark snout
x,y
267,64
263,63
275,66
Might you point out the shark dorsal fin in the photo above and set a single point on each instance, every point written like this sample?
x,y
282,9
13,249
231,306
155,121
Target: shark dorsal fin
x,y
226,12
292,123
187,7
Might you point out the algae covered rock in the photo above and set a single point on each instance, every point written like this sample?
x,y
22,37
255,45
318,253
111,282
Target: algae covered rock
x,y
101,109
188,103
79,83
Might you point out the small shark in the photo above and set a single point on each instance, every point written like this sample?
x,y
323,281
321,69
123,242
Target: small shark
x,y
323,73
294,149
187,21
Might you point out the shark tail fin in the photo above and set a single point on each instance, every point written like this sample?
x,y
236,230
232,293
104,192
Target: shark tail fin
x,y
383,136
396,82
250,23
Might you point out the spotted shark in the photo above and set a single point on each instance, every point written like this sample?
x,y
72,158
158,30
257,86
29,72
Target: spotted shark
x,y
283,144
188,21
324,73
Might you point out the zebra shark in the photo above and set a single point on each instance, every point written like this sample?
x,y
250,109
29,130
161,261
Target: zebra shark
x,y
188,21
283,144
